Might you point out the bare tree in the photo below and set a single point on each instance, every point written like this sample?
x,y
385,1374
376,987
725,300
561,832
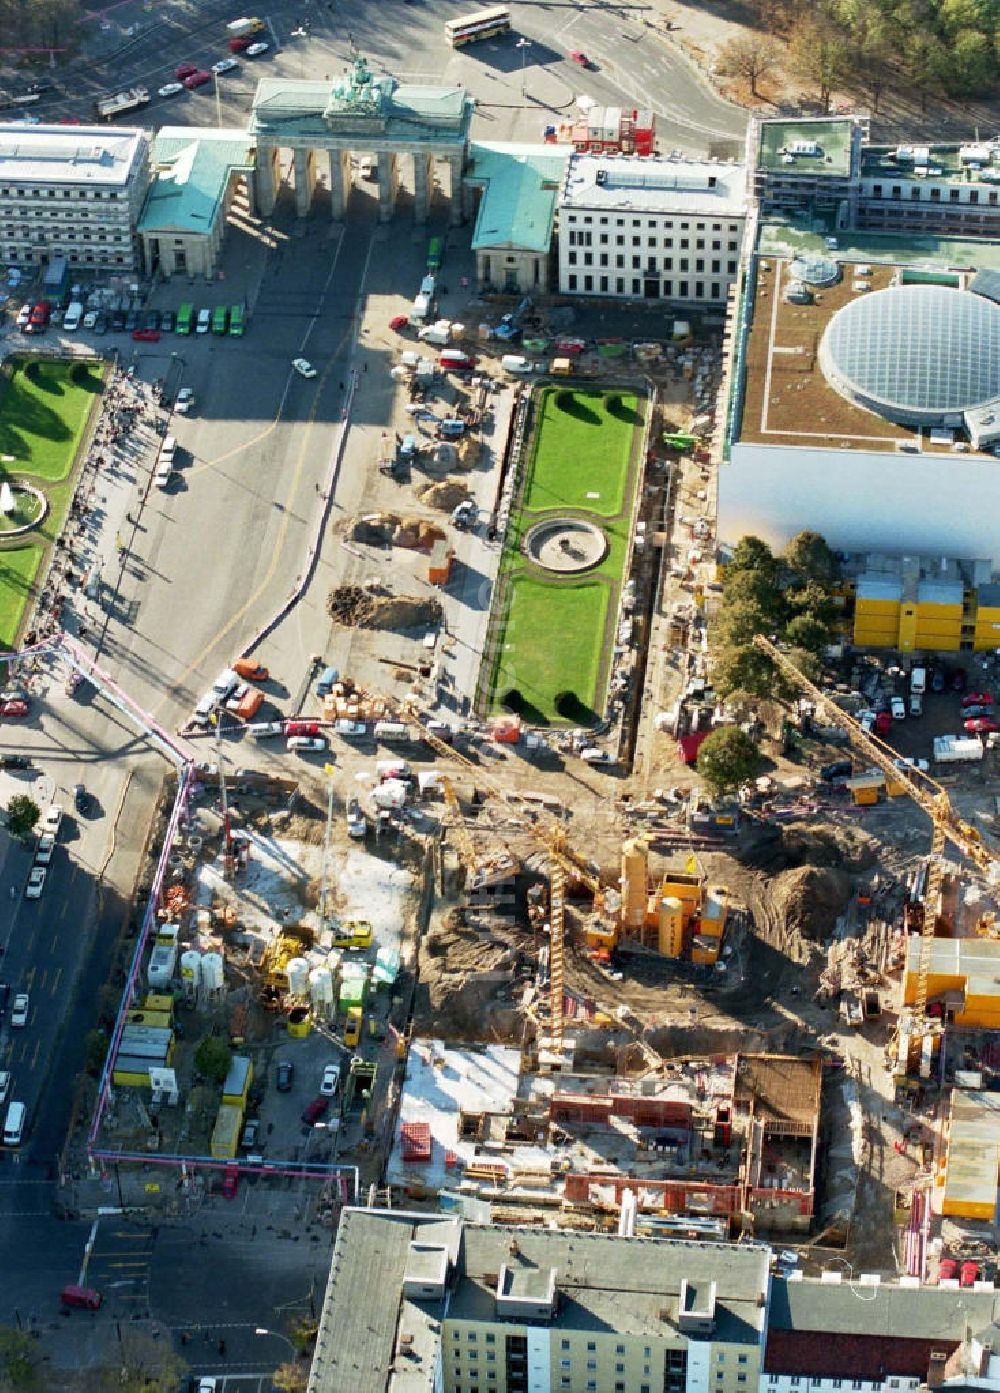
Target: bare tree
x,y
819,54
749,57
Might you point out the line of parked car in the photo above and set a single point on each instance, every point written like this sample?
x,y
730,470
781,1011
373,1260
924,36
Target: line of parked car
x,y
188,77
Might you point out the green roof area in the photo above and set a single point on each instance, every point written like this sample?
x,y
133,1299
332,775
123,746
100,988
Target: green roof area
x,y
833,137
790,239
192,166
520,186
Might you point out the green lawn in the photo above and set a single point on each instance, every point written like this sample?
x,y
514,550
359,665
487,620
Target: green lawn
x,y
44,410
553,636
535,657
582,444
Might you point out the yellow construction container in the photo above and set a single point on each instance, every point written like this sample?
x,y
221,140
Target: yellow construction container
x,y
158,1001
908,615
635,871
670,926
226,1132
890,608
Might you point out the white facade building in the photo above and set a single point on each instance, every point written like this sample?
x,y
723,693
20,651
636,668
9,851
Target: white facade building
x,y
651,229
73,192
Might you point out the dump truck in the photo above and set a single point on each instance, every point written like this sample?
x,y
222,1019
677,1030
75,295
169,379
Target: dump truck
x,y
116,105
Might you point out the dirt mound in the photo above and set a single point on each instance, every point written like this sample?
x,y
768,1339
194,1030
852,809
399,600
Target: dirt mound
x,y
416,534
810,899
781,847
374,529
445,495
468,981
356,608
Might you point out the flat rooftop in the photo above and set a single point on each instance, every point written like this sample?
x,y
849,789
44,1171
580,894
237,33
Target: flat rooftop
x,y
887,1310
605,1282
787,398
832,137
698,188
977,162
100,155
973,1165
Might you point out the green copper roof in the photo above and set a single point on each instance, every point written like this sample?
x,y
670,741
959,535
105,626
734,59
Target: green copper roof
x,y
191,168
520,187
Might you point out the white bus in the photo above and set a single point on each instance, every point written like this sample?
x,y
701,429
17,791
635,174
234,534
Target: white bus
x,y
483,24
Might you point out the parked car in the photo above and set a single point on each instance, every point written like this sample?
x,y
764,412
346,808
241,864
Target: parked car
x,y
15,762
331,1080
131,321
262,730
897,708
306,744
146,335
101,324
184,70
315,1110
170,89
4,998
580,58
45,848
152,320
981,725
184,402
977,699
303,367
249,668
399,322
310,728
117,321
21,1010
14,709
23,315
168,321
255,50
36,883
197,79
285,1076
224,65
968,1273
240,44
971,711
883,722
251,1135
230,1182
82,800
52,820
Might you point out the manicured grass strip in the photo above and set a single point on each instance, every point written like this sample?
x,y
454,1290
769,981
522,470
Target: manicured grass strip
x,y
44,410
552,641
581,454
18,569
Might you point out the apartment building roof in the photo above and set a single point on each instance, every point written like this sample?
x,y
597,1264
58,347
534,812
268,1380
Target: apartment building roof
x,y
880,1312
96,155
698,188
629,1285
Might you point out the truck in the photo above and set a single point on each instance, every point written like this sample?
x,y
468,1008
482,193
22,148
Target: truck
x,y
249,705
357,823
129,100
957,749
244,27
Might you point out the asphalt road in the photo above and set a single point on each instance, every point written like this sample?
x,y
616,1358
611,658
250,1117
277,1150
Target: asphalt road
x,y
634,63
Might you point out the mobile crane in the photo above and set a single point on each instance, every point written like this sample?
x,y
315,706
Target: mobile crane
x,y
947,825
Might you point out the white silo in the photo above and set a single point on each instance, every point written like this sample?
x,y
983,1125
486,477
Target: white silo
x,y
212,972
191,971
298,976
321,992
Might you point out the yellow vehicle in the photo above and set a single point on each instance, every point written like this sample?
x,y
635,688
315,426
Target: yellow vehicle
x,y
353,1025
354,934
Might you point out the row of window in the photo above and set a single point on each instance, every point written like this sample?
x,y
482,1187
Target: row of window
x,y
62,193
652,266
93,256
586,239
57,234
653,224
856,1384
954,195
643,289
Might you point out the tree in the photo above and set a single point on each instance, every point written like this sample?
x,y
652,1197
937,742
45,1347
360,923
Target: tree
x,y
754,588
290,1378
819,53
809,556
925,60
17,1366
95,1051
974,65
749,57
212,1059
742,672
727,759
752,554
808,632
815,601
22,814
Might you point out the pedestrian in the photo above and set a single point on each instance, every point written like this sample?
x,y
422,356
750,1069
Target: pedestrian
x,y
222,1349
365,367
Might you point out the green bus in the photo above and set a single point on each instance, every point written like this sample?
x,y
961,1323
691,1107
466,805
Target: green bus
x,y
185,319
435,249
236,321
220,319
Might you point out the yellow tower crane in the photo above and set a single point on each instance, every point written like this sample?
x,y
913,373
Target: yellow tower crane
x,y
926,792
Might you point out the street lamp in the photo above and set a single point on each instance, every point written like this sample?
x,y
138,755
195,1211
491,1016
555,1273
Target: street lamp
x,y
523,45
277,1335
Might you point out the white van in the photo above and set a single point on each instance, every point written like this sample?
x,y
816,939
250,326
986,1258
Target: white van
x,y
516,363
392,732
168,448
204,322
13,1127
72,317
